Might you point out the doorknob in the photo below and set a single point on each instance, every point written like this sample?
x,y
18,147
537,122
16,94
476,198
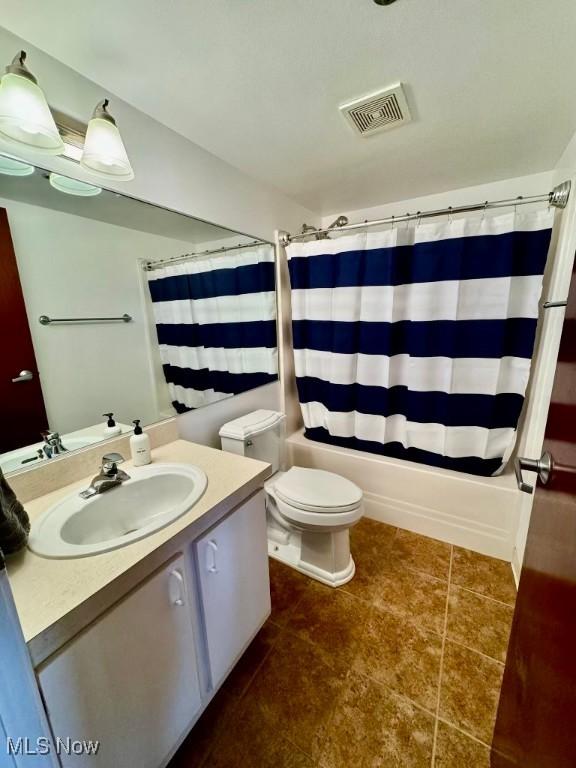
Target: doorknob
x,y
23,376
542,466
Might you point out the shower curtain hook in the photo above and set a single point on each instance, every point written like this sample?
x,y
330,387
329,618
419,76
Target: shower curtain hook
x,y
419,219
484,210
516,206
393,224
449,214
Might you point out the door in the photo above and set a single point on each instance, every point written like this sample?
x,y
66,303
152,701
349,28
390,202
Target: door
x,y
25,740
232,561
536,722
130,681
22,415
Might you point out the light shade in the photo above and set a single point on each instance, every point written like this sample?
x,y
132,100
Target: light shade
x,y
73,186
9,166
104,152
25,117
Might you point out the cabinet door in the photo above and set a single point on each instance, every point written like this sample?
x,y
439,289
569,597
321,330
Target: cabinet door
x,y
234,583
130,680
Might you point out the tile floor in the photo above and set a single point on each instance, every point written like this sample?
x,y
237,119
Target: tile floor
x,y
401,667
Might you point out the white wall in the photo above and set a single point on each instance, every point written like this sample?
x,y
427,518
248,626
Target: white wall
x,y
71,266
440,518
170,171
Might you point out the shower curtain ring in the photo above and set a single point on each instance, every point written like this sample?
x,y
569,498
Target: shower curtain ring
x,y
393,223
419,219
449,214
484,210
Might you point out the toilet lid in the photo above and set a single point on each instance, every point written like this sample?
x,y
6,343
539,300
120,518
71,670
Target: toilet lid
x,y
316,490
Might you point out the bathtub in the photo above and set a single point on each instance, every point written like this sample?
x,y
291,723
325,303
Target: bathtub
x,y
479,513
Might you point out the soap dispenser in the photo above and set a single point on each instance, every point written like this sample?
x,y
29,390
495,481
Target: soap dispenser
x,y
140,446
111,429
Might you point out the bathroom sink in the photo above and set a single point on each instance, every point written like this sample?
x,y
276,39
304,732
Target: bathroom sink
x,y
152,498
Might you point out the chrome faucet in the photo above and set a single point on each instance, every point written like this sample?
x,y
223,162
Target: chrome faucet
x,y
108,477
52,444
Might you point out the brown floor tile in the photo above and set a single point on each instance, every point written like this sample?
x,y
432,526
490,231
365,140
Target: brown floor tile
x,y
332,620
286,588
372,726
469,692
249,744
455,750
207,732
295,691
479,622
370,534
412,596
485,575
397,654
239,679
422,554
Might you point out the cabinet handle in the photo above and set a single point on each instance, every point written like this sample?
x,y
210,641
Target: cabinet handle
x,y
176,588
211,551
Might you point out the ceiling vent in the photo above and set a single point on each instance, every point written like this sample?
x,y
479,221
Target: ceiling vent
x,y
378,111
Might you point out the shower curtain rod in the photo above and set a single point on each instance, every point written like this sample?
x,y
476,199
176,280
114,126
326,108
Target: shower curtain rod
x,y
558,198
150,266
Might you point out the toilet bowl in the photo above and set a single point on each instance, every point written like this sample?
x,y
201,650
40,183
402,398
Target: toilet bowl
x,y
309,511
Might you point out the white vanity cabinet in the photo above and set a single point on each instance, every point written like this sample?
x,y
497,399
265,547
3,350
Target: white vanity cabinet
x,y
130,680
139,676
232,564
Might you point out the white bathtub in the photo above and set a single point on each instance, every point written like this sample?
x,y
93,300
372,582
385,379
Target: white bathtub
x,y
480,513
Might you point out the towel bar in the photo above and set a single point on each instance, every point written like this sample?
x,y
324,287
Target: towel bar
x,y
45,320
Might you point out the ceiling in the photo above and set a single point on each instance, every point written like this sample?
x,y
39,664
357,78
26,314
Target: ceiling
x,y
491,85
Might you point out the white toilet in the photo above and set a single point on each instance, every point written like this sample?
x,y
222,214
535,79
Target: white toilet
x,y
309,511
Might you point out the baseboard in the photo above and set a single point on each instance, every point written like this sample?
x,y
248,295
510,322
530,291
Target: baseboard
x,y
462,531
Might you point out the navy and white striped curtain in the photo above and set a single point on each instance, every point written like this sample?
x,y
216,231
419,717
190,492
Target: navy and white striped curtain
x,y
416,342
216,325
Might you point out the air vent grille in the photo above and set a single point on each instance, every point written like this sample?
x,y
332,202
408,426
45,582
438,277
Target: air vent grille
x,y
378,111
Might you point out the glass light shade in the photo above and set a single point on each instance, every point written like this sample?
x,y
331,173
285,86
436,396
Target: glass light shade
x,y
104,151
73,186
9,166
25,116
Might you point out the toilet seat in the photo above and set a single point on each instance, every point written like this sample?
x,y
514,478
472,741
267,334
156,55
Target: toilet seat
x,y
303,497
314,490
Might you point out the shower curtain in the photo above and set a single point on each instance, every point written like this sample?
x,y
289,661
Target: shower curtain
x,y
416,342
216,325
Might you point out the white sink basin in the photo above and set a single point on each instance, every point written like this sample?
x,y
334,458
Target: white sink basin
x,y
155,496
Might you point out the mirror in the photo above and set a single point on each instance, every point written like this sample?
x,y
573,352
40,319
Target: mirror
x,y
111,305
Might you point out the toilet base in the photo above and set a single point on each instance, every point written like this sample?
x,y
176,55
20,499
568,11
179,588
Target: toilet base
x,y
316,556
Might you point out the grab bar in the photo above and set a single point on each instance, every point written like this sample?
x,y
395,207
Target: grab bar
x,y
45,320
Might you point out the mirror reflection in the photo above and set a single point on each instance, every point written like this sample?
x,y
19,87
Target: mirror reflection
x,y
114,310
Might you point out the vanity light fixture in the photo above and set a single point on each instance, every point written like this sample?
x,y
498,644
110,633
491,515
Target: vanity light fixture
x,y
25,116
104,153
73,186
9,166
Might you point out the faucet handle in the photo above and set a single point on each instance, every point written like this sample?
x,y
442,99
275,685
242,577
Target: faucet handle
x,y
110,462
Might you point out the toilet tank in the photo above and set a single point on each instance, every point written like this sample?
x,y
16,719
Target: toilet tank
x,y
258,435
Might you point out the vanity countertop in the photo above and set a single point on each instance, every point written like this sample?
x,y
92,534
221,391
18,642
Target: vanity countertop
x,y
57,598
